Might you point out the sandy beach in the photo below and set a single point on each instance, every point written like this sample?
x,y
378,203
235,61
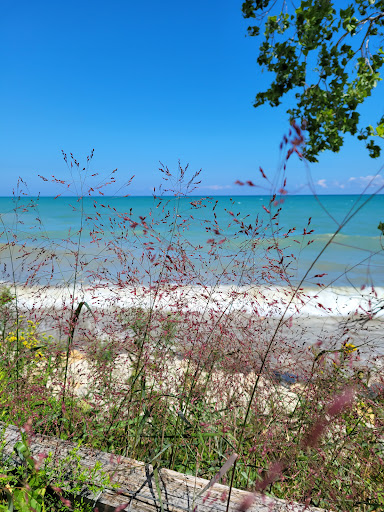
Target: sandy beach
x,y
228,316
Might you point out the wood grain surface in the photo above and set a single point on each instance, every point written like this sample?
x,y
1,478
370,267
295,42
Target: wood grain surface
x,y
143,488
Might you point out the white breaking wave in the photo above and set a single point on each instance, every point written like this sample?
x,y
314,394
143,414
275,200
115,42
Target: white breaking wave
x,y
260,300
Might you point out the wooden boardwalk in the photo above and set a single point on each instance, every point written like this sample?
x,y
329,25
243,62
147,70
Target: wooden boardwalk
x,y
141,488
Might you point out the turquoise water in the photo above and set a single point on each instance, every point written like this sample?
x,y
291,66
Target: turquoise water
x,y
45,226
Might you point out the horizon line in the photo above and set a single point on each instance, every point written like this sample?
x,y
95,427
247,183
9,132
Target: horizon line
x,y
57,196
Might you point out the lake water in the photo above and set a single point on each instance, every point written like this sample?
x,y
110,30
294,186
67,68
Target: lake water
x,y
206,232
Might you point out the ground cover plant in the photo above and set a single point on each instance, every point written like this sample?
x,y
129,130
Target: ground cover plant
x,y
41,483
132,338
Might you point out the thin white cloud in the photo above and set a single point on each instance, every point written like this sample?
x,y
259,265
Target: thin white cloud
x,y
371,180
322,183
216,187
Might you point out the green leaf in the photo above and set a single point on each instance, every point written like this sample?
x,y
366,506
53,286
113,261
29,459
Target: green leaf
x,y
380,130
158,488
307,51
9,500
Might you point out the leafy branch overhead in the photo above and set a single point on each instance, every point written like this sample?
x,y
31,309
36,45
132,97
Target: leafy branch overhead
x,y
329,54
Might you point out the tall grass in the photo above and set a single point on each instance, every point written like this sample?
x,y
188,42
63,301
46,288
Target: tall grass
x,y
129,336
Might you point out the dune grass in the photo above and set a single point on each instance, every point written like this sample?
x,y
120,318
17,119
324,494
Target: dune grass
x,y
187,385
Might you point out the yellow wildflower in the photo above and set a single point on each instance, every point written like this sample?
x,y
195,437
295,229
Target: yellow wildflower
x,y
349,348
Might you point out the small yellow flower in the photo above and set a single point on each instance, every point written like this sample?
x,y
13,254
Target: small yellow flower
x,y
349,348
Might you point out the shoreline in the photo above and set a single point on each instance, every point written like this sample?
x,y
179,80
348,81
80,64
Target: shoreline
x,y
266,301
250,316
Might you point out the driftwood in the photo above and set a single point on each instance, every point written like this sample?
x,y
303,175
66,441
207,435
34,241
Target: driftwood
x,y
141,488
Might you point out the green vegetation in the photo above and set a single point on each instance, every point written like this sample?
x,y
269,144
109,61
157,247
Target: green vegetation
x,y
39,485
189,416
167,367
329,54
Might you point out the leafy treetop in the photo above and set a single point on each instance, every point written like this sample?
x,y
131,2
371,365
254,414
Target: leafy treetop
x,y
329,53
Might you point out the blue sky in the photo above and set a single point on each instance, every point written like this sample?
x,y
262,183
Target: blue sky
x,y
143,82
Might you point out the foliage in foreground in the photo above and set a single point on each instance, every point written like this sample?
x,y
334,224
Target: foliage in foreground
x,y
190,417
29,484
166,367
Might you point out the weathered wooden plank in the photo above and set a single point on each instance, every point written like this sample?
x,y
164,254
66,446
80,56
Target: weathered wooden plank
x,y
137,488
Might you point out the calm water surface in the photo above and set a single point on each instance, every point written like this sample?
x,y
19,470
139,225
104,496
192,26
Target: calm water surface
x,y
354,257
